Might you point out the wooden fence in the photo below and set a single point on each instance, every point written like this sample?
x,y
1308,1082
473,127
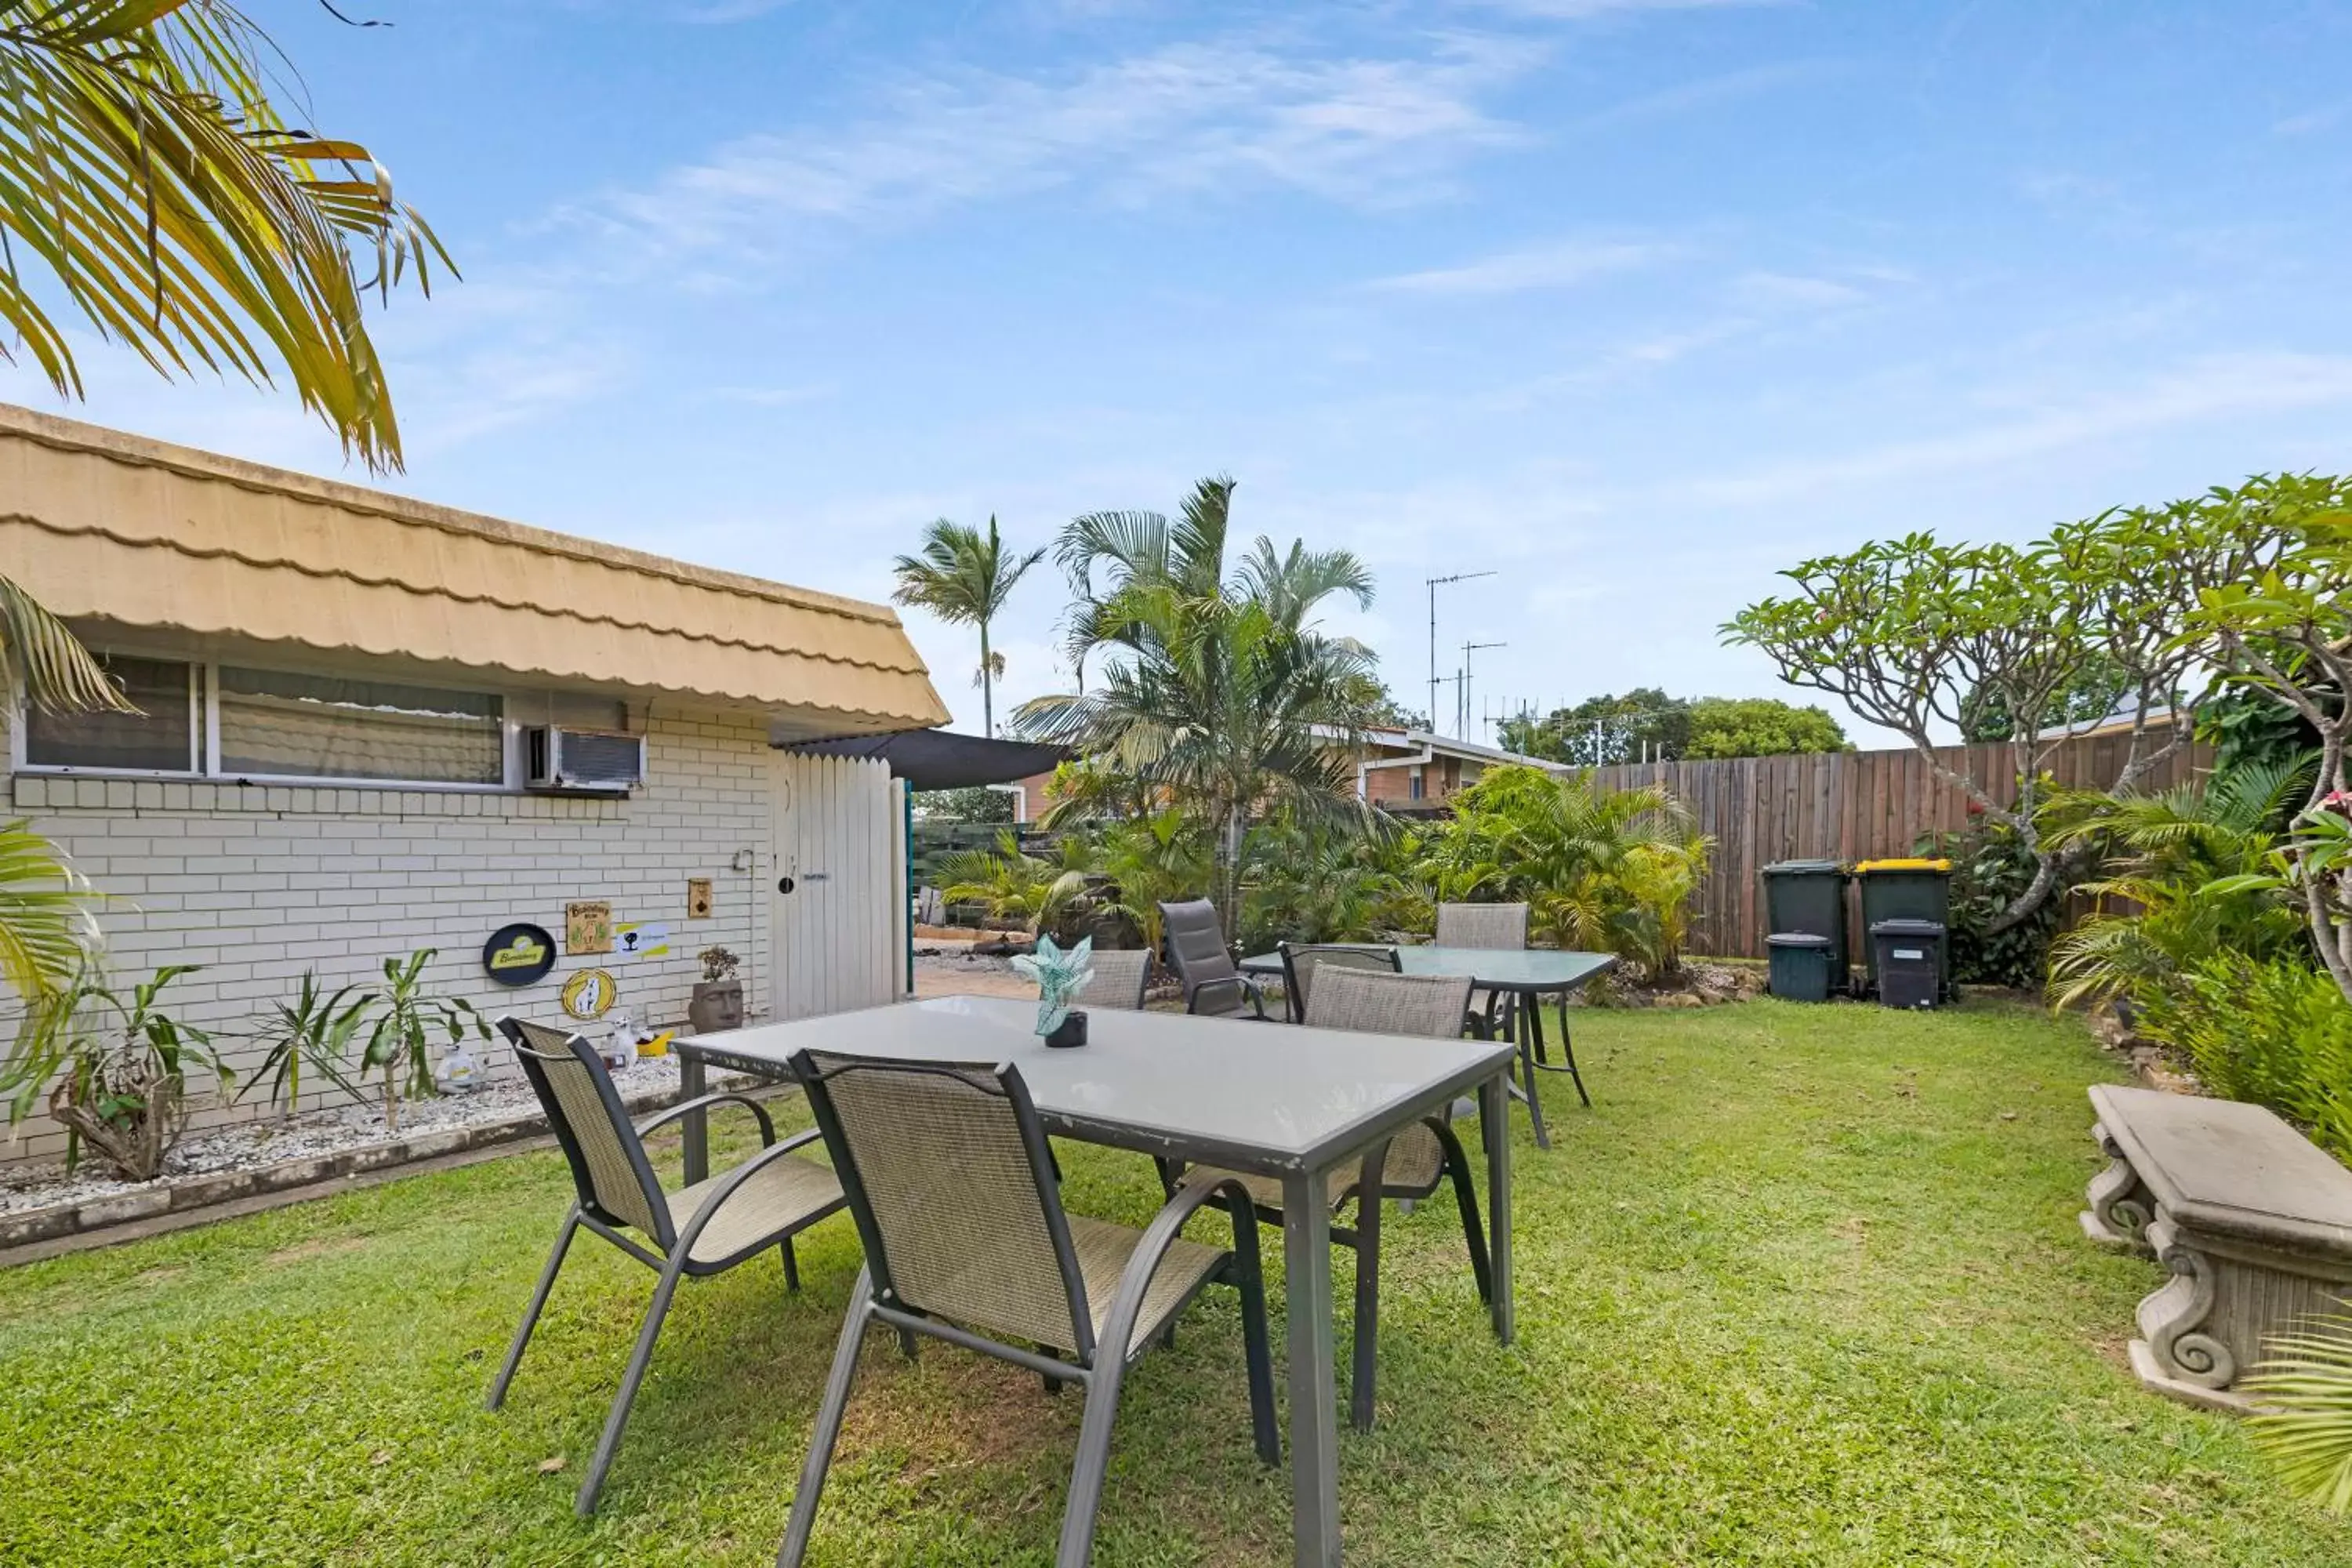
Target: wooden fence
x,y
1846,805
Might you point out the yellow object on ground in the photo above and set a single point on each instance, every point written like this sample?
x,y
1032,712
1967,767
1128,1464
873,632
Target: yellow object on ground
x,y
658,1045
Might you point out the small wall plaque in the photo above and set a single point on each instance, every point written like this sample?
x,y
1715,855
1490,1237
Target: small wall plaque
x,y
518,955
588,927
698,898
589,994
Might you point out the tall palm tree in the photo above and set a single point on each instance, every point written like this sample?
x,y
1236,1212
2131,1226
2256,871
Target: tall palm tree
x,y
964,577
1216,685
145,171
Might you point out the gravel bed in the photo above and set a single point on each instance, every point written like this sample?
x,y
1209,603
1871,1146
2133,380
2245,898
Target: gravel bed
x,y
253,1144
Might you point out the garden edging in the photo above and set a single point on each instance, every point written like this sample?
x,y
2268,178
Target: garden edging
x,y
189,1194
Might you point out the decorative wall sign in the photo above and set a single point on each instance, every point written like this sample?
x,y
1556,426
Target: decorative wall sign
x,y
640,939
589,994
698,898
518,955
588,927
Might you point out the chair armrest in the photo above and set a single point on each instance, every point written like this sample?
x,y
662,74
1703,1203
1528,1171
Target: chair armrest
x,y
1118,1324
736,1178
704,1102
1250,989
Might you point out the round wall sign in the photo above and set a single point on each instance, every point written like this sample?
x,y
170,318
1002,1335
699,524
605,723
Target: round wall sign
x,y
518,955
589,994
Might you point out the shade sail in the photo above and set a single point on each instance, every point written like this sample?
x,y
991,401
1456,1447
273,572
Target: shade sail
x,y
940,758
114,528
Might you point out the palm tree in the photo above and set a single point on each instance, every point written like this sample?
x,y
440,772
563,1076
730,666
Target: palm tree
x,y
1216,685
145,171
964,577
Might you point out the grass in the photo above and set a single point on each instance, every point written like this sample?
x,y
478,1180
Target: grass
x,y
1805,1286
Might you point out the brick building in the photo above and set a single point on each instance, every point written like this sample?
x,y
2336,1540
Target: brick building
x,y
343,752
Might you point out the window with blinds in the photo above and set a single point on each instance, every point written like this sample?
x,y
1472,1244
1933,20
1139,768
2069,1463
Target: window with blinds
x,y
164,735
279,724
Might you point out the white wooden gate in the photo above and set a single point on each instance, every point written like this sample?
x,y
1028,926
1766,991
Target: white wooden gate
x,y
838,887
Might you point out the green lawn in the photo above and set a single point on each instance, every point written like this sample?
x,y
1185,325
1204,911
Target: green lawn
x,y
1805,1286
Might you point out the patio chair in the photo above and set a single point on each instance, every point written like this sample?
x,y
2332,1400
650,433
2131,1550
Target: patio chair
x,y
706,1229
966,1240
1214,985
1486,925
1120,978
1414,1163
1300,961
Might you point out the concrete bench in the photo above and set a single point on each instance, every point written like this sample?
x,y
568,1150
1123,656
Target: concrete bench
x,y
2253,1221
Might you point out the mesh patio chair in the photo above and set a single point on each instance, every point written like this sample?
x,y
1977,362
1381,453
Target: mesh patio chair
x,y
1300,961
966,1240
1120,978
1214,985
706,1229
1486,925
1413,1166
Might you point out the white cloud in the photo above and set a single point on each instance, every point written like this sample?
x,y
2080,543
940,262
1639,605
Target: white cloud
x,y
2212,387
1195,117
1579,10
1558,266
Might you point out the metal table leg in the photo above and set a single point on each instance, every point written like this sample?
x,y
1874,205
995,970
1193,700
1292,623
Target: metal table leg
x,y
1494,1114
1314,1386
693,1128
1566,1047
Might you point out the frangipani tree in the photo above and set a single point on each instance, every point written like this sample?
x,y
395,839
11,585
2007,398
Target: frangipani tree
x,y
1923,637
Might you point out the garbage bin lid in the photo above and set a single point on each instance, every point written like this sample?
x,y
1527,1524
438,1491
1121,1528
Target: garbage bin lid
x,y
1795,939
1911,863
1805,869
1906,928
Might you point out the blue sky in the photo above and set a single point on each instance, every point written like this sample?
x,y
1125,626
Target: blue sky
x,y
1632,301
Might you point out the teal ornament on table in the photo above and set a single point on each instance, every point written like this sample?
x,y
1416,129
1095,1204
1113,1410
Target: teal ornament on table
x,y
1059,975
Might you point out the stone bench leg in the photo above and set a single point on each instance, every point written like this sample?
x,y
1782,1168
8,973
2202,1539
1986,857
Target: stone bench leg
x,y
2121,1204
2207,1326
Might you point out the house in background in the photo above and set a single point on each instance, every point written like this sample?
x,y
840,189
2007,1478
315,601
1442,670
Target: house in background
x,y
369,725
1411,772
1406,772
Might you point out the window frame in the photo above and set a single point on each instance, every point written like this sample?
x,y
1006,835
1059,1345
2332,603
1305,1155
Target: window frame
x,y
204,713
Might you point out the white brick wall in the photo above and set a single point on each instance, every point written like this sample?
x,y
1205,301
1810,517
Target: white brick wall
x,y
258,883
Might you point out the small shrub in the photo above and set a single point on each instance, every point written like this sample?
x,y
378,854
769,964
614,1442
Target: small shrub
x,y
401,1041
1990,867
116,1067
2274,1031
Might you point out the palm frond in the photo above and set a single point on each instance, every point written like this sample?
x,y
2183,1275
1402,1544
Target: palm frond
x,y
2306,1426
47,933
58,673
148,173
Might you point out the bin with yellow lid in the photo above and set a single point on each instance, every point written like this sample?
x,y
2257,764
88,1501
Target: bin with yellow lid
x,y
1907,888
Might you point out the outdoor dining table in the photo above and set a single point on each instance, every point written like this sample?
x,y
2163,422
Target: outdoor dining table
x,y
1220,1092
1528,972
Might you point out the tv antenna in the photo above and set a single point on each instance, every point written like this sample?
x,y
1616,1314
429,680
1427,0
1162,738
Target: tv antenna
x,y
1434,584
1462,697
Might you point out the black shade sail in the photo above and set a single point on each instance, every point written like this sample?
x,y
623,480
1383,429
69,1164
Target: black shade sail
x,y
941,759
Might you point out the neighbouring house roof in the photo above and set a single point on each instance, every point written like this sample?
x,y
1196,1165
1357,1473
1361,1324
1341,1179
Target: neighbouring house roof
x,y
2115,723
1412,744
113,527
941,759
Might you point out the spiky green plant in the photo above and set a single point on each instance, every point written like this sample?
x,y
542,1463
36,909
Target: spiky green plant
x,y
2306,1428
314,1031
413,1015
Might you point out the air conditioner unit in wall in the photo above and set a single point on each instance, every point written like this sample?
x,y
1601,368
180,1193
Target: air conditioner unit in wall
x,y
589,761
